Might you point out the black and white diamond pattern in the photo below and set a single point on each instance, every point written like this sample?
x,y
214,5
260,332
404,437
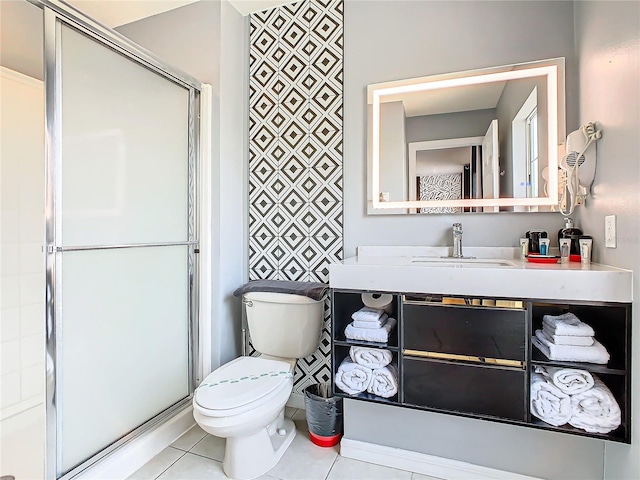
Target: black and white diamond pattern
x,y
295,152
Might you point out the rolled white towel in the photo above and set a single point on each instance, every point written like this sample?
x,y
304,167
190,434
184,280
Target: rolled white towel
x,y
368,314
548,403
371,324
380,335
370,357
352,378
596,353
384,382
570,380
567,324
567,339
596,409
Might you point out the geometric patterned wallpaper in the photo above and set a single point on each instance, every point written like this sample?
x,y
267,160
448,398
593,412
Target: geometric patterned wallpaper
x,y
295,152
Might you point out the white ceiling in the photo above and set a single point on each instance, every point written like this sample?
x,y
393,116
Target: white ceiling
x,y
245,7
114,13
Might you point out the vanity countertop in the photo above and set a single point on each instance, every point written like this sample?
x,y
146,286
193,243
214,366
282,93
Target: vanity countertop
x,y
496,272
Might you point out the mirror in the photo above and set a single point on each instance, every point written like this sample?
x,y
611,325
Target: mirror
x,y
475,141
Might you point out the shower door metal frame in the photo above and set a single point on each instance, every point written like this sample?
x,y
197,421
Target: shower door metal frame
x,y
57,13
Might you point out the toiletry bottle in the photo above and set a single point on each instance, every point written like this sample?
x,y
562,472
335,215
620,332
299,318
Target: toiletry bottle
x,y
569,231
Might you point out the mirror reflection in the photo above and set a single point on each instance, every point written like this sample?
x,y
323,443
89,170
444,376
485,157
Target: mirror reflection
x,y
468,142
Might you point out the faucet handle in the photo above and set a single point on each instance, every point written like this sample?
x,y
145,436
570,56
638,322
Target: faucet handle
x,y
457,227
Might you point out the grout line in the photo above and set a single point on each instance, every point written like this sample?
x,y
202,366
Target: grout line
x,y
196,444
204,456
331,468
183,454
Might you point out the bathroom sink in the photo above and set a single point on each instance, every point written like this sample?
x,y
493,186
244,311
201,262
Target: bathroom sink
x,y
461,262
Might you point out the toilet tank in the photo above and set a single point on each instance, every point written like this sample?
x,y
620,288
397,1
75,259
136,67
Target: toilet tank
x,y
284,325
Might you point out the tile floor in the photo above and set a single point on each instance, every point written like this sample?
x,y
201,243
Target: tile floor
x,y
196,456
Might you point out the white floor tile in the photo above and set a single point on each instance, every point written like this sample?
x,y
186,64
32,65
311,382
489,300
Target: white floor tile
x,y
193,467
157,464
210,447
303,459
187,441
349,469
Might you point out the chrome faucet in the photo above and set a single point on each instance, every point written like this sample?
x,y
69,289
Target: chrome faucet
x,y
457,240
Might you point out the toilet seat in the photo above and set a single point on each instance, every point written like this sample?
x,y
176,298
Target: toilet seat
x,y
242,385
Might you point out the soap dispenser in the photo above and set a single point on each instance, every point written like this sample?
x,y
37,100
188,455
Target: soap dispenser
x,y
570,231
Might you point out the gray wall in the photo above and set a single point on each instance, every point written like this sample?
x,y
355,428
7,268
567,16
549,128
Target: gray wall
x,y
513,97
449,125
209,41
393,152
393,40
608,40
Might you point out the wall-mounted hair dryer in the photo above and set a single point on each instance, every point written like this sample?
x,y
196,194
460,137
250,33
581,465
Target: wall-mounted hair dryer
x,y
578,167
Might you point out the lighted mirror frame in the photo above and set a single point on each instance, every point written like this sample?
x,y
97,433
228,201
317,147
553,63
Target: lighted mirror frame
x,y
377,94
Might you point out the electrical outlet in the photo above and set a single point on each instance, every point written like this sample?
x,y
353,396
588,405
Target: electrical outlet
x,y
610,231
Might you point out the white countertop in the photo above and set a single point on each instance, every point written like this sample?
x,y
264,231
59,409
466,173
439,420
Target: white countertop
x,y
409,270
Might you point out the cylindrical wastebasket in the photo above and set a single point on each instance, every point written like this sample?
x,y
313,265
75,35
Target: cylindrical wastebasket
x,y
324,414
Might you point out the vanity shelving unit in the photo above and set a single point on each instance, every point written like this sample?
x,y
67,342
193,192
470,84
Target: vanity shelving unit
x,y
485,354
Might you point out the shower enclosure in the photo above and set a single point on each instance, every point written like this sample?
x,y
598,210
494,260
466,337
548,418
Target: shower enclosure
x,y
120,251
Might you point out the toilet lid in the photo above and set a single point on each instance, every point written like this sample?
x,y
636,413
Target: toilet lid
x,y
240,382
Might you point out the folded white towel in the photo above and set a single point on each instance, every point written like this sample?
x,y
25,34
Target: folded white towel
x,y
548,403
370,357
371,324
570,380
368,314
596,353
567,339
567,324
352,378
384,382
380,335
595,410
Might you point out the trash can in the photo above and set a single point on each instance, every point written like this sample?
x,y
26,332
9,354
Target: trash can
x,y
324,414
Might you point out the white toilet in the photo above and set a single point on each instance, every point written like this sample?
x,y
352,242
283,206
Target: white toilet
x,y
243,400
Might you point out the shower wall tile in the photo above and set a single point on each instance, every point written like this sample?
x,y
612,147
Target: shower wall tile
x,y
295,152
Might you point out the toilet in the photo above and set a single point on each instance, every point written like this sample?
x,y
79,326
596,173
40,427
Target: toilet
x,y
243,400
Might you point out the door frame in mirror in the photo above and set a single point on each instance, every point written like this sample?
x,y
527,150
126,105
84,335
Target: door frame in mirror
x,y
552,69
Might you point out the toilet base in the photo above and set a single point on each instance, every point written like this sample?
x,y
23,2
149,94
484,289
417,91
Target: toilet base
x,y
266,447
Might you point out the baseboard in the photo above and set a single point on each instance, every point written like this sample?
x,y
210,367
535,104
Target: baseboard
x,y
421,462
126,460
296,400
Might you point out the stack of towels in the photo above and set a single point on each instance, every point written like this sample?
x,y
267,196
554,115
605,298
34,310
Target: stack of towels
x,y
371,325
577,397
566,338
370,370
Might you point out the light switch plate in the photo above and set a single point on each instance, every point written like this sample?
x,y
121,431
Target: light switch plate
x,y
610,231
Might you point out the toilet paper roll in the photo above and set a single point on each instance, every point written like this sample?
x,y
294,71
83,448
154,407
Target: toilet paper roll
x,y
377,300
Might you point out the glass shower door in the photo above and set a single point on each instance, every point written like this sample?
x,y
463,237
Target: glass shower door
x,y
122,244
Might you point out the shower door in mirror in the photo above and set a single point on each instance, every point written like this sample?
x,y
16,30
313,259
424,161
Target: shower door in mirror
x,y
122,246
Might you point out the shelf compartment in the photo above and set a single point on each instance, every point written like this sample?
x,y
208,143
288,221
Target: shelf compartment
x,y
344,304
611,325
342,352
617,384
